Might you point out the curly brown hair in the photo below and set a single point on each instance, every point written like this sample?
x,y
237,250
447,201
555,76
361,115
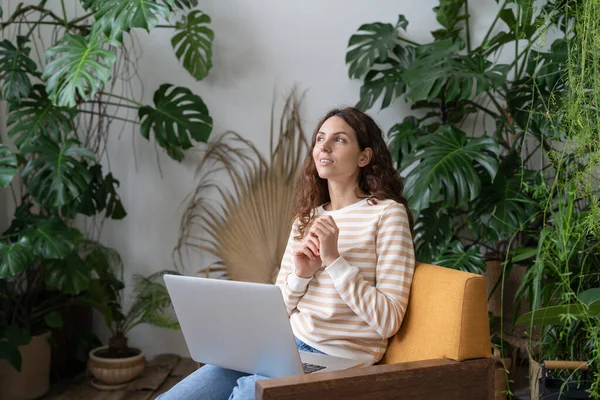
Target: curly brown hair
x,y
379,179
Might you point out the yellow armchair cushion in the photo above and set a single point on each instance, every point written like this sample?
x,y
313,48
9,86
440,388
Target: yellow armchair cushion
x,y
446,318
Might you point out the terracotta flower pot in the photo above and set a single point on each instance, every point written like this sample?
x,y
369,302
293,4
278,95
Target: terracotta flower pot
x,y
34,379
115,373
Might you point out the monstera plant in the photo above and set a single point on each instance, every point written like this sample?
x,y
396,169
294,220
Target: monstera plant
x,y
62,108
470,150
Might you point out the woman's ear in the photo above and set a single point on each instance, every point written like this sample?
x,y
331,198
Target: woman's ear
x,y
365,157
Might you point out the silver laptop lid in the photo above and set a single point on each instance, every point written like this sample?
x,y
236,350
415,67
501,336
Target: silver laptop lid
x,y
237,325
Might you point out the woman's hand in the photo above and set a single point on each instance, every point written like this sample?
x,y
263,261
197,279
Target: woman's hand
x,y
327,233
307,258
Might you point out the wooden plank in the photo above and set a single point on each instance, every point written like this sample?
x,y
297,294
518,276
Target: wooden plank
x,y
157,370
168,361
431,379
151,379
185,367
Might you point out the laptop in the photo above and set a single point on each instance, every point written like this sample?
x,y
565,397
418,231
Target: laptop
x,y
242,326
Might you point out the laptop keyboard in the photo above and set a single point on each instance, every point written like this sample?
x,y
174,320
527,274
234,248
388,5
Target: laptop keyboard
x,y
308,368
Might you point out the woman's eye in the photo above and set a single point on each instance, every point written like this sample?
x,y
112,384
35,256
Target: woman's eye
x,y
341,140
319,139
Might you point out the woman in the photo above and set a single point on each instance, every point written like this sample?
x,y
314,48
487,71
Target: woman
x,y
349,262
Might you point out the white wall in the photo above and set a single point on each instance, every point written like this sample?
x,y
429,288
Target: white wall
x,y
261,47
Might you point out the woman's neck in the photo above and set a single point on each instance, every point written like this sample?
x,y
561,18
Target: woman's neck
x,y
342,195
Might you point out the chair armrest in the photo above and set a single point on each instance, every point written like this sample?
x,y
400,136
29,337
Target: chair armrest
x,y
430,379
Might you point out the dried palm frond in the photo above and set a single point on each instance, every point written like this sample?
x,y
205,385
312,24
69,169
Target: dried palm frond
x,y
248,228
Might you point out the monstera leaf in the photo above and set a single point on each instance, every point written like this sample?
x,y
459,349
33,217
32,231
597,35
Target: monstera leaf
x,y
403,138
71,275
8,166
50,238
439,68
456,257
386,81
445,167
15,68
373,43
113,17
77,67
15,257
101,196
178,116
432,232
58,174
193,43
36,116
503,207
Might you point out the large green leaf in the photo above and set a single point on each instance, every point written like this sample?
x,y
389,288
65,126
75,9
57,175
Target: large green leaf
x,y
503,208
449,14
77,67
178,115
15,68
70,275
193,43
113,17
440,70
11,338
555,315
446,167
15,257
51,238
432,232
386,81
373,43
8,165
101,196
590,296
456,257
56,175
403,138
37,116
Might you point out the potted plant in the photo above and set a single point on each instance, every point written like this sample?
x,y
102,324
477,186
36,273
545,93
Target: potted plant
x,y
116,364
62,106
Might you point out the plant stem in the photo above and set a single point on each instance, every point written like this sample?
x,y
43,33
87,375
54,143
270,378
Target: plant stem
x,y
489,32
468,29
116,96
110,103
408,41
64,10
111,116
76,20
482,108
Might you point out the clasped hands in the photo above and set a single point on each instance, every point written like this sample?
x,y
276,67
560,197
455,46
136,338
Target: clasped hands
x,y
319,246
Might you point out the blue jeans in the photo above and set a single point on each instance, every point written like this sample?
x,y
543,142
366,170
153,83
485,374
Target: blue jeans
x,y
215,383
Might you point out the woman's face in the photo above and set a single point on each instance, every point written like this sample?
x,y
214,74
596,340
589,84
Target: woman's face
x,y
337,154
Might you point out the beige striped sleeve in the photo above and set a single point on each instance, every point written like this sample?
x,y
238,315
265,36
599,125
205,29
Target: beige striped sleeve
x,y
383,306
292,286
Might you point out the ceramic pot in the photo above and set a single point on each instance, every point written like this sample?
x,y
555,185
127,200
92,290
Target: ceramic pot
x,y
114,373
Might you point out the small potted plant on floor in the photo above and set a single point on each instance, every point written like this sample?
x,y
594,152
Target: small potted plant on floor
x,y
114,365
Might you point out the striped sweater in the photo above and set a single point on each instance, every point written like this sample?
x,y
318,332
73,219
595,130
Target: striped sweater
x,y
352,307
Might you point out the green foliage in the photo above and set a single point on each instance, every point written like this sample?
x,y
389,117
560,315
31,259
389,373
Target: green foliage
x,y
15,68
178,115
193,43
58,175
78,67
8,166
59,124
447,162
36,116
